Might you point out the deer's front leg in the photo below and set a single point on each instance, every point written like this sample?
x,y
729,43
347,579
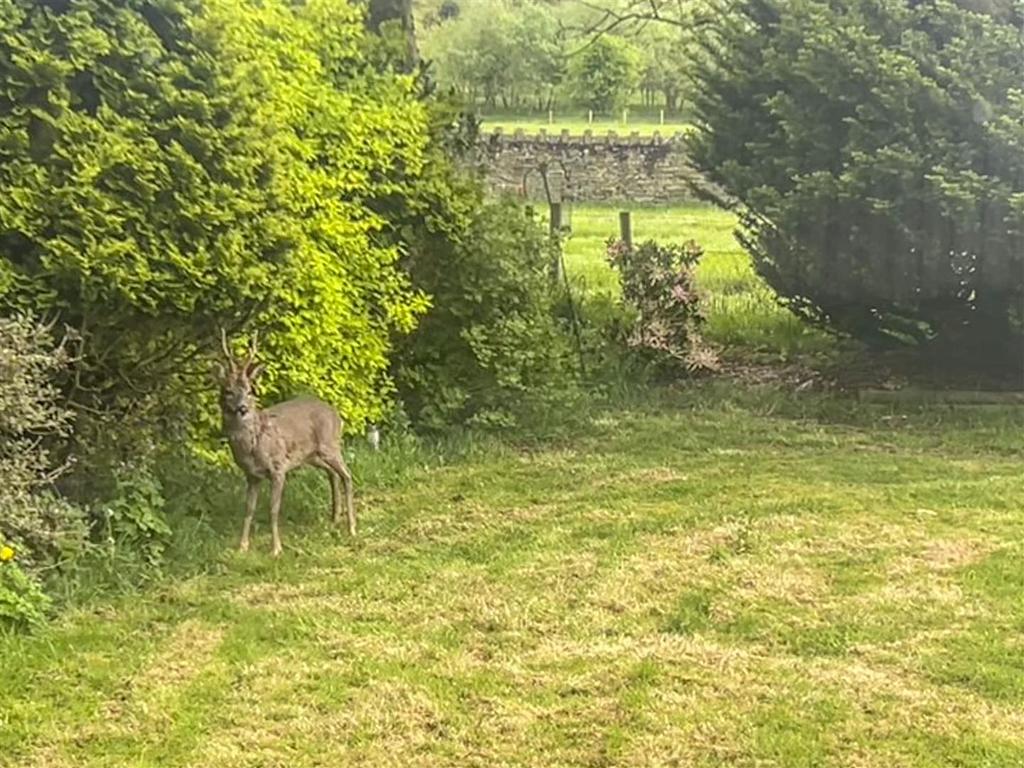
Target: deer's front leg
x,y
276,491
252,496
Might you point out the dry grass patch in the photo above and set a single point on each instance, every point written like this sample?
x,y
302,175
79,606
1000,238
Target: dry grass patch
x,y
182,656
939,556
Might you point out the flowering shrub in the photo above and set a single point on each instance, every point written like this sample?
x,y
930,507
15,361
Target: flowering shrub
x,y
658,283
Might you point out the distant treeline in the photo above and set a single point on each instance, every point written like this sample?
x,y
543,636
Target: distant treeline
x,y
535,56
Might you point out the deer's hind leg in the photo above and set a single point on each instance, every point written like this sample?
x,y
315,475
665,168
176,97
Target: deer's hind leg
x,y
340,470
335,481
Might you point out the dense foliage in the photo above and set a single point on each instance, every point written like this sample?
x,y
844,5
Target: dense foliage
x,y
37,527
665,52
168,169
165,171
500,54
526,55
491,351
876,149
605,73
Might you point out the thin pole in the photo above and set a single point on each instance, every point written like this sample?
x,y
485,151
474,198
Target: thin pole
x,y
555,227
626,228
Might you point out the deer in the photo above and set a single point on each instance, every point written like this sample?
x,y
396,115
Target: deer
x,y
268,443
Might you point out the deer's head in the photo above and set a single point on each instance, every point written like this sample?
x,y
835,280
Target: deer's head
x,y
237,379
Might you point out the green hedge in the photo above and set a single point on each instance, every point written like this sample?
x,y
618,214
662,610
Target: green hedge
x,y
876,151
168,168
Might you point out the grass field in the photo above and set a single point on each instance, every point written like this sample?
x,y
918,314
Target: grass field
x,y
711,579
742,310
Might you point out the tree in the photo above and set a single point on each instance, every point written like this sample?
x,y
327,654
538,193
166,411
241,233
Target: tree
x,y
396,14
876,151
666,54
472,53
169,169
449,9
501,52
604,73
539,53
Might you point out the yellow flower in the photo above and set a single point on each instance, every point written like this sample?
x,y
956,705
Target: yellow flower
x,y
6,553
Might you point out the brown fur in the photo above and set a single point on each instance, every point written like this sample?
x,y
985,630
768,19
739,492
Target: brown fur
x,y
267,444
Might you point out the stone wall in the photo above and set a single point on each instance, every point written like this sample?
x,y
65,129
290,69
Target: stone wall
x,y
587,168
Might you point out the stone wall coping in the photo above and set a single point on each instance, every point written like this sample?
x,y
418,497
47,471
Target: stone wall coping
x,y
633,139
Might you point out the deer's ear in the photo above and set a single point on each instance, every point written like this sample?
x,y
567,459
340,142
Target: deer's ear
x,y
218,373
254,371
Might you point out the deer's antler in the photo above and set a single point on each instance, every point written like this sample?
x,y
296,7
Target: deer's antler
x,y
224,346
252,350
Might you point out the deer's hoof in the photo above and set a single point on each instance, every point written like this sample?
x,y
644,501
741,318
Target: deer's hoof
x,y
243,547
276,551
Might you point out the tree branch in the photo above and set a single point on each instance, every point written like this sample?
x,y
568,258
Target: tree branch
x,y
640,13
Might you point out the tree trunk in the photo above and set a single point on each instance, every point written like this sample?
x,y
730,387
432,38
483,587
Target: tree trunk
x,y
671,99
382,11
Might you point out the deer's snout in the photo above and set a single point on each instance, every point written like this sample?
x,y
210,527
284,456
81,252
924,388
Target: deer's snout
x,y
236,405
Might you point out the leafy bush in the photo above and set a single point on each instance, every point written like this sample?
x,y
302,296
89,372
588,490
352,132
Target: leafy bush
x,y
41,527
37,527
23,603
490,351
658,283
876,150
134,517
166,169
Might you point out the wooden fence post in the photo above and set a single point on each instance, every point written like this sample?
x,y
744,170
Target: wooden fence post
x,y
555,223
626,228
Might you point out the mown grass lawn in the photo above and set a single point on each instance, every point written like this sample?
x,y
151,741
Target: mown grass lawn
x,y
712,578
